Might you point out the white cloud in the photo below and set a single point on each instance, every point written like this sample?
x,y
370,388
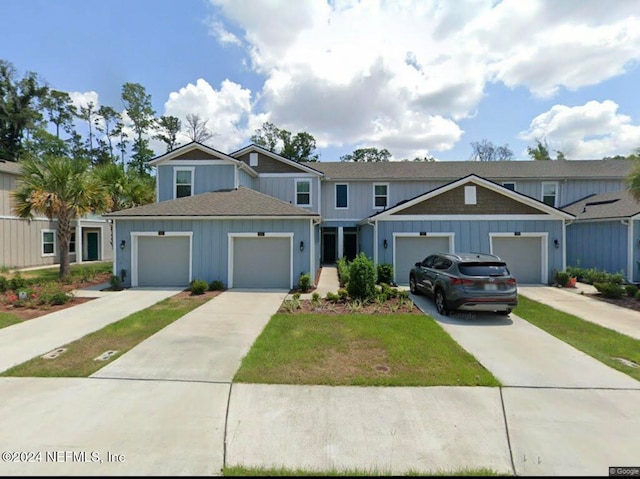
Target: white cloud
x,y
82,99
360,72
589,131
225,109
224,36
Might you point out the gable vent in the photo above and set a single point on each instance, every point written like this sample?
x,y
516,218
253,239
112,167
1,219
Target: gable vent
x,y
253,159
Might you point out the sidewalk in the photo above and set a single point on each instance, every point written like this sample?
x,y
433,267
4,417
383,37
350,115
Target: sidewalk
x,y
622,320
328,283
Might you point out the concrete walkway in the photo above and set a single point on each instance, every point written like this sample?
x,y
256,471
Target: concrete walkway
x,y
623,320
206,344
328,283
23,341
520,354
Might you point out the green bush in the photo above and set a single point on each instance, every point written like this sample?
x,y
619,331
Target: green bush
x,y
333,297
387,292
594,275
216,285
343,271
60,297
17,282
362,278
638,295
304,283
315,299
631,290
4,284
610,290
343,294
198,286
116,283
562,278
403,294
385,273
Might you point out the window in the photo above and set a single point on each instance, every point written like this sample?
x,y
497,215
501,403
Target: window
x,y
342,196
72,243
303,192
253,159
470,195
48,243
510,185
183,181
550,193
380,196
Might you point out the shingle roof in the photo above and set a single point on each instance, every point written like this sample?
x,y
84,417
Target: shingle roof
x,y
10,167
618,204
451,170
240,202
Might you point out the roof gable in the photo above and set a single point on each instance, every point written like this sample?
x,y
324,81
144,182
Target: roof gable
x,y
617,204
491,199
288,166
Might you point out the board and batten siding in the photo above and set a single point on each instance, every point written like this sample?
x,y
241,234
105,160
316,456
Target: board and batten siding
x,y
365,240
284,188
7,184
598,244
635,252
473,236
246,180
211,243
206,178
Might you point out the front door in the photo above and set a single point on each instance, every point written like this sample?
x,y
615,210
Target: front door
x,y
329,238
92,246
350,244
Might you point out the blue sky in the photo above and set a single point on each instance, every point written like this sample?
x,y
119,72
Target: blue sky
x,y
415,77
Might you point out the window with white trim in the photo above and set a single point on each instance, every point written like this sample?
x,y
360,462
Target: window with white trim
x,y
380,196
48,243
183,182
550,193
72,243
303,192
342,196
510,185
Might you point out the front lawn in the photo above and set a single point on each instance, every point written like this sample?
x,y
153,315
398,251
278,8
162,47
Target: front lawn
x,y
601,343
121,336
8,319
260,471
83,272
360,350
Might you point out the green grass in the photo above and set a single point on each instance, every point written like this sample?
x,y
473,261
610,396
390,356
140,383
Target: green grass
x,y
261,471
121,336
84,270
354,349
601,343
8,319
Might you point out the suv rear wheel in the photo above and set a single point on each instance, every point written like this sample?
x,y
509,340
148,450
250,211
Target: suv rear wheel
x,y
441,302
412,285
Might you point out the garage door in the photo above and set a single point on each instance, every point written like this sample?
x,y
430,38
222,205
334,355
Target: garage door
x,y
410,250
262,262
523,255
163,260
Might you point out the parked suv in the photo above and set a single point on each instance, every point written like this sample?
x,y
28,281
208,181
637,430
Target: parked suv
x,y
465,281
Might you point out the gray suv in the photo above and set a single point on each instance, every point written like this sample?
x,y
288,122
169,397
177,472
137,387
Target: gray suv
x,y
465,281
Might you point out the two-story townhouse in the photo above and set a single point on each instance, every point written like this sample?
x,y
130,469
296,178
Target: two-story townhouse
x,y
33,242
252,218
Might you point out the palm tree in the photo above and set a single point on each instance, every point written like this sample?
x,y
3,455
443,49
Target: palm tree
x,y
60,188
633,180
126,189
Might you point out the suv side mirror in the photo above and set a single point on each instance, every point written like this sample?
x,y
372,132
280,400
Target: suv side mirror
x,y
418,264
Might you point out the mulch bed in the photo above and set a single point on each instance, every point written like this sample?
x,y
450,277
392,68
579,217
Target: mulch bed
x,y
25,313
629,303
391,306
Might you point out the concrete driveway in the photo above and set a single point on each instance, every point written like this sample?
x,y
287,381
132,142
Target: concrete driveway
x,y
21,342
520,354
206,344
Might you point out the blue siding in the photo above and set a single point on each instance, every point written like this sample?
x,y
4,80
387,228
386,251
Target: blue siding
x,y
598,244
210,242
635,264
365,240
473,236
206,178
283,187
246,180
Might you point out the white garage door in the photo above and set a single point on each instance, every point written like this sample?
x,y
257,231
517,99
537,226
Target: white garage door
x,y
411,249
163,260
261,262
523,255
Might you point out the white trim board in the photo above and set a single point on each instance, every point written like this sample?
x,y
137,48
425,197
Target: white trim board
x,y
544,248
209,218
429,234
232,236
270,154
190,169
469,218
134,235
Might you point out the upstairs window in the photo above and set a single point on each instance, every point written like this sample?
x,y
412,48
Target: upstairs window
x,y
510,185
550,193
380,196
183,182
342,196
303,192
48,243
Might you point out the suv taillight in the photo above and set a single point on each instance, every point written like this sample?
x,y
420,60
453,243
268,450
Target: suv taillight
x,y
460,281
511,281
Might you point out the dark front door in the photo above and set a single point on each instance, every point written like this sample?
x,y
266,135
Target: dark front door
x,y
329,246
92,246
350,245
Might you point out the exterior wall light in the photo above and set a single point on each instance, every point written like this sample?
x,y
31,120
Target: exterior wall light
x,y
385,244
556,243
301,245
123,243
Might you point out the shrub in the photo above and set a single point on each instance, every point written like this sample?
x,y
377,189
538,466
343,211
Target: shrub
x,y
562,278
17,282
4,284
296,296
333,297
343,271
315,299
610,290
304,283
387,292
638,295
60,297
576,272
198,286
116,283
216,285
385,273
362,278
343,294
631,290
403,294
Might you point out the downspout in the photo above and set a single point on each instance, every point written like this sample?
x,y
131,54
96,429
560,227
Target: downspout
x,y
629,224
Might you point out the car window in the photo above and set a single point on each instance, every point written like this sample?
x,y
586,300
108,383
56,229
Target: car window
x,y
442,263
484,269
428,262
